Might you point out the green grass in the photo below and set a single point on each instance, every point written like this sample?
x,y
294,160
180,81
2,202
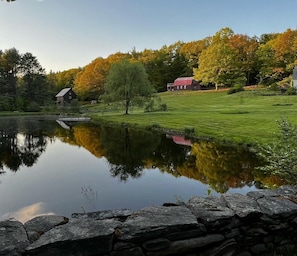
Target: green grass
x,y
245,117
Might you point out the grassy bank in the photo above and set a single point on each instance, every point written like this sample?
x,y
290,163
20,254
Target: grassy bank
x,y
246,117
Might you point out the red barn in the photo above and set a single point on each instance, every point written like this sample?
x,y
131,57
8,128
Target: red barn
x,y
184,83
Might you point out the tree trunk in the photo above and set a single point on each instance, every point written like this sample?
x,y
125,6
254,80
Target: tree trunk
x,y
127,102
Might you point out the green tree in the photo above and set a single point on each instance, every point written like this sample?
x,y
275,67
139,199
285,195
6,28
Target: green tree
x,y
165,65
66,78
219,64
281,154
156,68
127,83
193,50
10,62
33,86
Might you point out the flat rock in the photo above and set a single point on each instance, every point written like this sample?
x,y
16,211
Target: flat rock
x,y
277,206
242,206
285,190
209,209
78,235
262,193
41,224
155,221
13,238
101,215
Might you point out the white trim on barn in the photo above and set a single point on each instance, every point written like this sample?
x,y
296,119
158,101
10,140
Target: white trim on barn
x,y
295,78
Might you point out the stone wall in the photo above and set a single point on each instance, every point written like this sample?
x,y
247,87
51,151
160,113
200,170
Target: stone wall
x,y
260,223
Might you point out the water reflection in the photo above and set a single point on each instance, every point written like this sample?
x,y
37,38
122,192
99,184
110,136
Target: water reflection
x,y
28,212
21,142
130,151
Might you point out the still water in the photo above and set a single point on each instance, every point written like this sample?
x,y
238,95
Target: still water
x,y
47,168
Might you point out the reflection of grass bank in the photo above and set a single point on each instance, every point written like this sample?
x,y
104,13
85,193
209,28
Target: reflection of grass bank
x,y
244,117
17,113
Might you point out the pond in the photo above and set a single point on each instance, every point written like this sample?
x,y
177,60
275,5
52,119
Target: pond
x,y
49,167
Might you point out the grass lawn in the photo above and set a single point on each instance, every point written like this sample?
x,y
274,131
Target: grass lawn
x,y
245,117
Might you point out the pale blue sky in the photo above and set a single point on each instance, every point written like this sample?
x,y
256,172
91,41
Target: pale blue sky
x,y
66,34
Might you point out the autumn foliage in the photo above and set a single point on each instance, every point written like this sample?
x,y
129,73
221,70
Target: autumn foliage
x,y
225,59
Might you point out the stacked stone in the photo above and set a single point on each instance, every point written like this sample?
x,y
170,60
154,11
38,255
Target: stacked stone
x,y
260,223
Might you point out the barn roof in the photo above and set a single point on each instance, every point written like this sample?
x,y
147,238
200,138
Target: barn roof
x,y
180,140
183,81
63,92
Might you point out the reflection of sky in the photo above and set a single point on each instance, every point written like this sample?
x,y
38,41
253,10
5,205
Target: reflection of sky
x,y
55,184
26,213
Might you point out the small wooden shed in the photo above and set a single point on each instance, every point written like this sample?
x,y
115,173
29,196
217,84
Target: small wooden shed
x,y
65,96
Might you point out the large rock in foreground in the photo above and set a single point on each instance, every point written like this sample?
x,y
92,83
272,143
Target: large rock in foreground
x,y
13,238
77,237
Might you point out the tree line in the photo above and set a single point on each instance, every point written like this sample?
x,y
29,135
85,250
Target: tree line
x,y
23,81
224,59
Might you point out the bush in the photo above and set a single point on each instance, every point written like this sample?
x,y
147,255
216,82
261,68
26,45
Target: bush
x,y
5,103
274,87
281,155
235,89
163,107
189,130
149,106
291,91
155,105
33,107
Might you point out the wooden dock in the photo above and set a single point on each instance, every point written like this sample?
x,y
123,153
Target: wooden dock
x,y
74,119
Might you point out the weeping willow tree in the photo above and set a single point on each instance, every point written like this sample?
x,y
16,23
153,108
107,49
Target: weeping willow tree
x,y
127,83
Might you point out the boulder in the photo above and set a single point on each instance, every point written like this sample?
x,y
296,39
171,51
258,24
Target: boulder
x,y
274,206
13,238
77,237
211,210
153,222
242,206
41,224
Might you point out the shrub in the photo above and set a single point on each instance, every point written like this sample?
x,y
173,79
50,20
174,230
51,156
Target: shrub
x,y
274,87
281,154
33,107
235,89
149,106
291,91
163,107
155,105
189,130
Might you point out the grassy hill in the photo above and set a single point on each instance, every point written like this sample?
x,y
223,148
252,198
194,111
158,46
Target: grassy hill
x,y
246,117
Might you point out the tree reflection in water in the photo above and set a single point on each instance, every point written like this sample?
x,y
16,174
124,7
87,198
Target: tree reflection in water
x,y
21,143
127,150
130,151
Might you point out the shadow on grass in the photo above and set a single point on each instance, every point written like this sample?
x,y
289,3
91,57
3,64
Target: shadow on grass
x,y
236,112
